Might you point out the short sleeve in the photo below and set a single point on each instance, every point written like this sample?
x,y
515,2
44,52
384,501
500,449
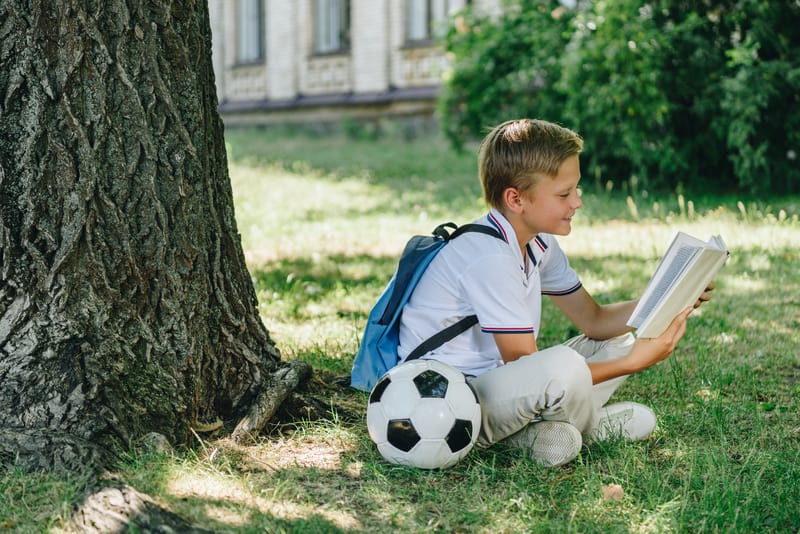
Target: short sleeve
x,y
558,278
498,294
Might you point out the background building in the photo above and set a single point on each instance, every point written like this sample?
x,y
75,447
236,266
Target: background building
x,y
282,61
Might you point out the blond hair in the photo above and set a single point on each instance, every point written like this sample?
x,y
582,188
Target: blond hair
x,y
519,153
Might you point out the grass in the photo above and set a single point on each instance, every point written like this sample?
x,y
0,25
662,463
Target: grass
x,y
323,220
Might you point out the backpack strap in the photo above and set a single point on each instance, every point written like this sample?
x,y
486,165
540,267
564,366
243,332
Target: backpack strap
x,y
443,336
480,228
449,230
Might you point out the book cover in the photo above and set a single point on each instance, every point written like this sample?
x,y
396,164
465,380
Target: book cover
x,y
681,276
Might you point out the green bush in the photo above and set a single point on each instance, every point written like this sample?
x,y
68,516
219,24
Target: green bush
x,y
760,107
670,95
612,80
504,68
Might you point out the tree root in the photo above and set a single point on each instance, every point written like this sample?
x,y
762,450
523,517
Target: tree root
x,y
109,505
120,508
279,385
48,450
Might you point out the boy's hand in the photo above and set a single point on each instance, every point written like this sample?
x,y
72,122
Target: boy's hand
x,y
706,296
648,352
645,352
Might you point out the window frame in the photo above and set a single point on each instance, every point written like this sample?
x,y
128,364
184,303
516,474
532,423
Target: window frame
x,y
256,54
434,13
331,27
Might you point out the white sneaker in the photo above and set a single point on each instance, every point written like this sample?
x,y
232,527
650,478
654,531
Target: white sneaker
x,y
629,420
551,443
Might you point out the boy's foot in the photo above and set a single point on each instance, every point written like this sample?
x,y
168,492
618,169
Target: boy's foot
x,y
629,420
551,443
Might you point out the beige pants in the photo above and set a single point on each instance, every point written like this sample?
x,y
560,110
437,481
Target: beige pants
x,y
553,384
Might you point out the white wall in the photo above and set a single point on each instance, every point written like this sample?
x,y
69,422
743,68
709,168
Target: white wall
x,y
379,60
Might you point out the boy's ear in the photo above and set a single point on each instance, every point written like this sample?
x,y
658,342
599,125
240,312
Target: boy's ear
x,y
512,198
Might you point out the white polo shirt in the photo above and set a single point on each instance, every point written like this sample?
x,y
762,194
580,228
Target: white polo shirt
x,y
477,274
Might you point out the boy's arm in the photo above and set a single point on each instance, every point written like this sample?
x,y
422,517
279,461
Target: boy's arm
x,y
594,320
597,322
515,346
604,321
643,354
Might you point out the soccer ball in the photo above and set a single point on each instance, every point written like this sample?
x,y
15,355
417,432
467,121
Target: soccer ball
x,y
423,414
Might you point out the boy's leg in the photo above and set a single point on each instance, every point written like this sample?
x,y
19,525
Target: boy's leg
x,y
597,351
628,419
553,384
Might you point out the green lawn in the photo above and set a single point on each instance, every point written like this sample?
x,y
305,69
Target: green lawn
x,y
323,220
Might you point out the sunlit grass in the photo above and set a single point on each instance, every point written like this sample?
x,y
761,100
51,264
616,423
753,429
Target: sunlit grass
x,y
321,244
323,220
719,398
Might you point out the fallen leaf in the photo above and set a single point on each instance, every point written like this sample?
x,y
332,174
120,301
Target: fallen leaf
x,y
705,393
612,492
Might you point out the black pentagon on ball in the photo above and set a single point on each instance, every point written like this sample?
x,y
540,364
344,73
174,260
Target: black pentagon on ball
x,y
378,390
402,434
431,384
460,435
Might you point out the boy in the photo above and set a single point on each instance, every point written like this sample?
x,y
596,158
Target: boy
x,y
547,401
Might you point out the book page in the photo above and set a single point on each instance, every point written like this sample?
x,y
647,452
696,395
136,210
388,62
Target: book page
x,y
680,278
674,262
663,283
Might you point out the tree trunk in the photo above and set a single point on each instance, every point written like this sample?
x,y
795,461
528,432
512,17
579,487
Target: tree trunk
x,y
125,303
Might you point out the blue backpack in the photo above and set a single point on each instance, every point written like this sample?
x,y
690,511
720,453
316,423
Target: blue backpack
x,y
378,351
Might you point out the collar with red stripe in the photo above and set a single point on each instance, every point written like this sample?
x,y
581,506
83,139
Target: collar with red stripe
x,y
499,221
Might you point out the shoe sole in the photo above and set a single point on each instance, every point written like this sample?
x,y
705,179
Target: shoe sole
x,y
550,443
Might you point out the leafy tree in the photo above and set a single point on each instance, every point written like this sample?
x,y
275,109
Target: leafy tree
x,y
692,94
505,67
694,63
760,105
612,83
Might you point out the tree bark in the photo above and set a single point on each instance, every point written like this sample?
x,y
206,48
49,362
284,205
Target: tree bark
x,y
120,508
125,303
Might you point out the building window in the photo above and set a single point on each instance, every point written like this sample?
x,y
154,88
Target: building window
x,y
251,31
331,26
425,19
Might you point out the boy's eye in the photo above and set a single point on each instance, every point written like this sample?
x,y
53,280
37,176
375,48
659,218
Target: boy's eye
x,y
566,194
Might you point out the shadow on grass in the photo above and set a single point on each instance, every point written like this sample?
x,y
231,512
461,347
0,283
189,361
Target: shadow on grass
x,y
757,297
742,347
296,283
727,400
686,482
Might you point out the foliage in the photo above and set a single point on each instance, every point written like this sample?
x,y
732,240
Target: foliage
x,y
611,83
685,95
503,68
761,95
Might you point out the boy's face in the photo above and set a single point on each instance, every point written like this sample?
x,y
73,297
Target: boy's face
x,y
551,203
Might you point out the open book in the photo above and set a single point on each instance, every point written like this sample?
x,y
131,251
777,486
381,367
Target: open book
x,y
682,275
